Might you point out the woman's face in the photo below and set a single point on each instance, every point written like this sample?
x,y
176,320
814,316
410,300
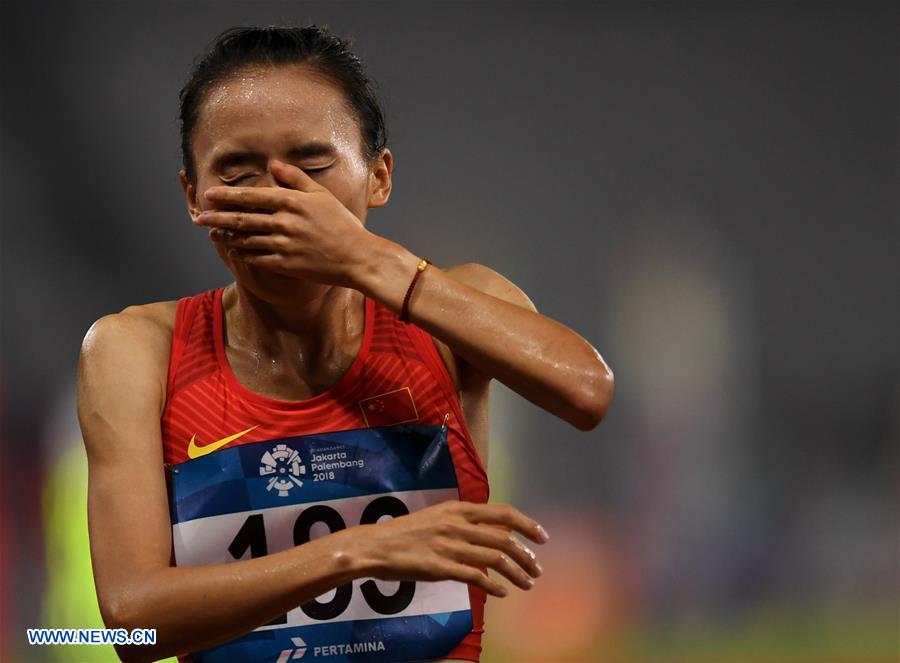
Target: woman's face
x,y
292,114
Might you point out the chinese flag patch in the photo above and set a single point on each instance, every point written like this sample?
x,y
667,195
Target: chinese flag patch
x,y
394,407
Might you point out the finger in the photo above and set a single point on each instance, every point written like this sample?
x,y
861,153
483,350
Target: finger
x,y
269,261
239,240
271,198
293,177
490,557
504,514
242,221
473,576
502,539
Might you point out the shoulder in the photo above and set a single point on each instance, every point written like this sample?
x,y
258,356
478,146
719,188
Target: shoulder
x,y
128,348
491,282
145,324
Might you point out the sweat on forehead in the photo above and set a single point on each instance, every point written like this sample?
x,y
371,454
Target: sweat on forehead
x,y
252,53
254,105
270,91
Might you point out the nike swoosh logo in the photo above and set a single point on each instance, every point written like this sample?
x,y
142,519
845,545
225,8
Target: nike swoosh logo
x,y
195,451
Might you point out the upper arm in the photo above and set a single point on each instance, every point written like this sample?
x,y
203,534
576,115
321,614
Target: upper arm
x,y
121,390
488,281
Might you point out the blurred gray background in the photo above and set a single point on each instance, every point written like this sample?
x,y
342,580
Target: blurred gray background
x,y
707,192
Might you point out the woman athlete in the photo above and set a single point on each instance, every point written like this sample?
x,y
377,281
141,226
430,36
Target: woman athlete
x,y
293,465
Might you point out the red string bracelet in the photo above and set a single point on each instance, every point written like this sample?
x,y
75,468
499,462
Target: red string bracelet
x,y
404,310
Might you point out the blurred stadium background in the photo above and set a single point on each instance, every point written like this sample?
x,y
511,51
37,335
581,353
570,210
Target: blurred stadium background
x,y
705,191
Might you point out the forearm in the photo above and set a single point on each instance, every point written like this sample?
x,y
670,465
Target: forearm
x,y
192,608
535,356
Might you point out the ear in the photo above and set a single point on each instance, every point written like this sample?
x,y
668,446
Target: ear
x,y
190,193
380,179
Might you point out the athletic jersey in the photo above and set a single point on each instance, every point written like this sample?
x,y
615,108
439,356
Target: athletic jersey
x,y
388,438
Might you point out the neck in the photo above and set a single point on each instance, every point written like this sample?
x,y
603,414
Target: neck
x,y
313,326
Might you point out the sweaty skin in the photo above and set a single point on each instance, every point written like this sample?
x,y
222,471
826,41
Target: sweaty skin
x,y
302,259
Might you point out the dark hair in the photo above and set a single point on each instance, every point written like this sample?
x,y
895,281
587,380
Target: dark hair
x,y
318,47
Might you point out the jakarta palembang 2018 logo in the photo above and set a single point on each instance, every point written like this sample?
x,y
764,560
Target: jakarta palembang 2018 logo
x,y
284,467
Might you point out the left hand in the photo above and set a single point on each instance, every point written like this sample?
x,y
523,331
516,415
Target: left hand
x,y
299,229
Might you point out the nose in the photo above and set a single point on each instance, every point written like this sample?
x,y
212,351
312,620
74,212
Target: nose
x,y
267,178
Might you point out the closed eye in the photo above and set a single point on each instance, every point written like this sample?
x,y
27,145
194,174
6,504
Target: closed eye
x,y
235,180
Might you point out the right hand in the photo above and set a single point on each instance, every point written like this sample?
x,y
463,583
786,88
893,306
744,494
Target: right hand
x,y
447,541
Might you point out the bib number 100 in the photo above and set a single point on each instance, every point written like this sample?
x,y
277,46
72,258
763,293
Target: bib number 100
x,y
252,536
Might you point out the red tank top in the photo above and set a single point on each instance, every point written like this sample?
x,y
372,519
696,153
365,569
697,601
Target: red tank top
x,y
397,377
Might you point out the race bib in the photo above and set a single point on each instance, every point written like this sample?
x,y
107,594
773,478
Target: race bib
x,y
255,499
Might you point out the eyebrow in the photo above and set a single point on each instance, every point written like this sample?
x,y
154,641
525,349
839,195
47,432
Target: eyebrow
x,y
315,148
298,152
